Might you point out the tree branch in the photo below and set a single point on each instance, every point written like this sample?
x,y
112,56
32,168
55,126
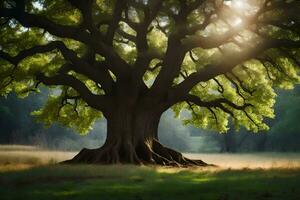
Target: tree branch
x,y
220,104
95,73
118,66
95,101
119,6
228,62
15,60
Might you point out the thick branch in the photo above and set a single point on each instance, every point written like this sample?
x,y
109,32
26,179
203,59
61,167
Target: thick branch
x,y
117,64
176,50
85,7
114,23
144,54
95,101
215,103
228,63
15,60
97,72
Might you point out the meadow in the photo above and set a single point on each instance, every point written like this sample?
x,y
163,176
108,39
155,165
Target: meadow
x,y
32,173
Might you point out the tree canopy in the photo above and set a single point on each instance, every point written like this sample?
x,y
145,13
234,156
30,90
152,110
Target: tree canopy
x,y
218,60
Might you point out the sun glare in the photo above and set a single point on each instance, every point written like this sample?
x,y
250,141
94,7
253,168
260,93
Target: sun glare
x,y
241,9
237,22
239,5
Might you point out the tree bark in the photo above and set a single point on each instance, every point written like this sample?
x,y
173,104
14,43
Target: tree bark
x,y
132,138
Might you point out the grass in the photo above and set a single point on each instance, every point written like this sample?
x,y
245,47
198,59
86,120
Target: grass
x,y
16,157
267,160
146,183
125,182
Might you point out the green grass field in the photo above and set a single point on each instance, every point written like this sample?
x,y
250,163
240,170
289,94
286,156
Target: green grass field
x,y
41,179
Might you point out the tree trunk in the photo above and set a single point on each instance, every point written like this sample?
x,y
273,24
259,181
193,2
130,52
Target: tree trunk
x,y
132,137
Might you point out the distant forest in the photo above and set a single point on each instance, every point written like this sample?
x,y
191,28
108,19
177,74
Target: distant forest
x,y
17,126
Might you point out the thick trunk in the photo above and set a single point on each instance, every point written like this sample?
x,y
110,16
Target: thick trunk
x,y
132,138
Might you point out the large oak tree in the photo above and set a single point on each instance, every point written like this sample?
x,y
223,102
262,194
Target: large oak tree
x,y
130,60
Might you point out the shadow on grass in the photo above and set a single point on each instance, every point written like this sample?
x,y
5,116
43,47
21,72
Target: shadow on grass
x,y
145,183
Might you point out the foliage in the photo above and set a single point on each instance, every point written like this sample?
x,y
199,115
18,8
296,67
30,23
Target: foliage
x,y
79,116
206,58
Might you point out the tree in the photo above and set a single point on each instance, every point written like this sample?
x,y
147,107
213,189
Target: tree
x,y
13,119
131,60
284,133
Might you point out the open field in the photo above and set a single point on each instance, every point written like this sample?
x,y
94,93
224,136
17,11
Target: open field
x,y
14,157
251,160
29,173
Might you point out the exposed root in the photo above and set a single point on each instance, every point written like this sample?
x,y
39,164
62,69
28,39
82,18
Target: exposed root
x,y
154,154
175,158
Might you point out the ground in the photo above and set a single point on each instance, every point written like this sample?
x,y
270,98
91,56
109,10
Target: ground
x,y
37,177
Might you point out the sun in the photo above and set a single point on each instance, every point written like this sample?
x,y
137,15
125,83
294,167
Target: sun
x,y
239,6
237,21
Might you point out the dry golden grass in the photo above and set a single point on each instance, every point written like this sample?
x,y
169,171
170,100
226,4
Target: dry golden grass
x,y
251,160
19,157
17,147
